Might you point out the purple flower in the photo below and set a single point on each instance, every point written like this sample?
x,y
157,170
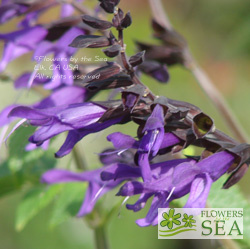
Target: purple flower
x,y
110,156
20,42
74,136
53,121
174,179
153,140
62,73
8,10
96,188
63,96
169,180
4,119
67,10
23,81
79,119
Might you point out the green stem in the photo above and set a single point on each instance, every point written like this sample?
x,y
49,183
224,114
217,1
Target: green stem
x,y
79,159
101,238
229,244
95,220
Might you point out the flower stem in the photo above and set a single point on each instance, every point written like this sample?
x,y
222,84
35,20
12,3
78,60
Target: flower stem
x,y
130,69
202,79
218,100
95,220
229,244
79,159
101,238
159,13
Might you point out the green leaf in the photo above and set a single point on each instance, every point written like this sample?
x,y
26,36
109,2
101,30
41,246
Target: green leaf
x,y
18,140
226,198
22,166
231,198
68,203
15,172
10,179
33,202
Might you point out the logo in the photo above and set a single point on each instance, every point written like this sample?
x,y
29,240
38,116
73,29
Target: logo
x,y
195,223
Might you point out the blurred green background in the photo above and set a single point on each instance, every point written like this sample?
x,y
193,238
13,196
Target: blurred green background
x,y
219,36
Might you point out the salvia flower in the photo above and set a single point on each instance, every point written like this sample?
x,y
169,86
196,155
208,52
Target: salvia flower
x,y
96,186
178,180
144,165
9,9
62,73
53,121
20,42
151,140
79,119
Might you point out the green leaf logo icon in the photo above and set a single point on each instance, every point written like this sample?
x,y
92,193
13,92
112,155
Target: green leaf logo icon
x,y
170,219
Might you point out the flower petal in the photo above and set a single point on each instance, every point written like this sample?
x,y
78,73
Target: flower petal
x,y
122,141
119,171
159,201
60,175
140,203
217,164
199,192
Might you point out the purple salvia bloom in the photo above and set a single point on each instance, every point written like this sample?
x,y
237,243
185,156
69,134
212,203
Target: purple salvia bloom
x,y
140,203
110,156
62,74
120,171
199,191
153,132
96,188
54,121
8,10
11,9
67,10
4,119
180,179
30,19
20,42
159,201
151,141
44,146
74,136
63,96
79,119
147,147
23,81
122,142
169,140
